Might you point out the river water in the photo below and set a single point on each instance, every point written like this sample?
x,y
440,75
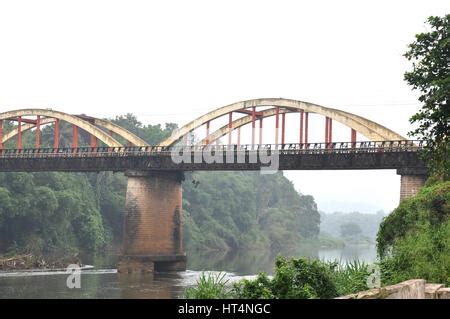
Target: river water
x,y
103,281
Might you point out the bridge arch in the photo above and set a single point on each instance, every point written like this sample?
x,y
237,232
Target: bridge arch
x,y
366,127
124,133
85,125
112,127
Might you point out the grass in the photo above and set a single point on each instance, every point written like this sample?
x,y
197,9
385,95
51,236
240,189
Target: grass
x,y
350,277
209,286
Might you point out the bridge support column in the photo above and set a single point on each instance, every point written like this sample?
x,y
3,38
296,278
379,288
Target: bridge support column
x,y
153,237
411,180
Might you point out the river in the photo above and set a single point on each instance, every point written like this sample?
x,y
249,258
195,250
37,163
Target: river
x,y
103,281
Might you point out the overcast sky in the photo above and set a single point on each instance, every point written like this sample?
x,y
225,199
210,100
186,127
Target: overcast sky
x,y
171,61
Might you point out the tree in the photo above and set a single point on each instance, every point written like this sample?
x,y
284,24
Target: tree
x,y
350,230
430,75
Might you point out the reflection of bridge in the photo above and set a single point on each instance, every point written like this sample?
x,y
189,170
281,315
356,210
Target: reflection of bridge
x,y
153,232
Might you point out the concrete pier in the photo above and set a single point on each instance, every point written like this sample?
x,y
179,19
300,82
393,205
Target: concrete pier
x,y
153,236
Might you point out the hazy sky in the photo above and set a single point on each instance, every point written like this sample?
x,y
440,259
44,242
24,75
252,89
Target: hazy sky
x,y
171,61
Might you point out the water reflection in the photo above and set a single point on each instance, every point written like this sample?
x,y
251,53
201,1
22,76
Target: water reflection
x,y
105,282
349,253
243,262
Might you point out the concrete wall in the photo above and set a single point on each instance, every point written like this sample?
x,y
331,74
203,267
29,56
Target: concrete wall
x,y
410,289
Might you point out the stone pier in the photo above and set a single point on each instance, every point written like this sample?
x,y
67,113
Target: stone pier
x,y
411,180
153,237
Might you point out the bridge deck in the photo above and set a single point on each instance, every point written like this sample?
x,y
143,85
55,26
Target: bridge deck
x,y
314,156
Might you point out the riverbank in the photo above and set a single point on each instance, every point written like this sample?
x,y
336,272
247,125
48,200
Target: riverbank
x,y
30,261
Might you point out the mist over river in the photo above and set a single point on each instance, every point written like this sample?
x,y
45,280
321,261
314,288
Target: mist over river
x,y
103,281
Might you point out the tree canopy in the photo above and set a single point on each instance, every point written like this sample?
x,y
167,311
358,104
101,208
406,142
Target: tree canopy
x,y
430,55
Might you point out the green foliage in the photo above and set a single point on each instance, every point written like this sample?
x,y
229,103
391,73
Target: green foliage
x,y
428,209
229,210
350,277
303,278
111,188
414,240
300,278
430,54
41,212
259,288
424,254
209,287
152,134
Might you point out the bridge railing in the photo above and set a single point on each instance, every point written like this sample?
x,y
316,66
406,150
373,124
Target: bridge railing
x,y
289,148
312,148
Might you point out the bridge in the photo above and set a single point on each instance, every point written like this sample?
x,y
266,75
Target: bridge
x,y
153,209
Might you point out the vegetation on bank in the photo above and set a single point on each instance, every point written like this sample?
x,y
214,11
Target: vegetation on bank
x,y
30,261
295,278
231,210
48,212
414,240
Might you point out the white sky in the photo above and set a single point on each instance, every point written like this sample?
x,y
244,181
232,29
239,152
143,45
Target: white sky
x,y
171,61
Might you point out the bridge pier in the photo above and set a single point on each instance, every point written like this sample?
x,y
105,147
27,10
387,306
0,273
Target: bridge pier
x,y
153,237
411,180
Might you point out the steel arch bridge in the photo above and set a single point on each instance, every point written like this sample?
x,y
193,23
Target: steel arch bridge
x,y
153,225
279,107
253,110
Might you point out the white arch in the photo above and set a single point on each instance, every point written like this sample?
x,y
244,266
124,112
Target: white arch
x,y
88,127
366,127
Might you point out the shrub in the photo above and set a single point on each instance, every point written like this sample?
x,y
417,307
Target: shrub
x,y
260,288
422,254
350,277
297,278
414,240
209,287
429,208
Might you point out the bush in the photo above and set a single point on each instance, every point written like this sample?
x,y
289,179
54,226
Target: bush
x,y
351,277
414,240
209,287
422,254
295,278
305,279
429,208
260,288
